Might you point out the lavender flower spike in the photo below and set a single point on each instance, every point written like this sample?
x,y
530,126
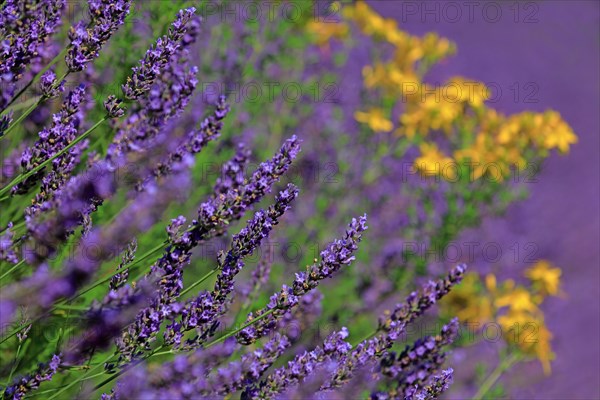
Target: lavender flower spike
x,y
414,366
49,86
439,384
26,384
87,38
54,139
333,258
196,140
203,312
214,216
42,289
302,366
25,27
392,325
195,375
167,99
158,56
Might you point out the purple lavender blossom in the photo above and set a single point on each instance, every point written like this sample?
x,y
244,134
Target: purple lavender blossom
x,y
309,387
392,325
250,368
202,312
195,141
105,320
120,278
214,216
166,99
302,366
6,243
24,385
40,291
439,384
196,375
87,38
113,107
49,86
52,140
414,366
26,27
81,195
182,32
232,173
302,317
181,378
333,258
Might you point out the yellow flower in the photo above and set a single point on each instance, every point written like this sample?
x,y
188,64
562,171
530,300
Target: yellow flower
x,y
542,348
518,299
371,23
530,334
466,91
544,277
374,75
557,133
433,162
467,302
491,283
375,120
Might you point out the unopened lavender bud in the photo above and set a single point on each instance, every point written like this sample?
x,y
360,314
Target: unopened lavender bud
x,y
49,86
113,108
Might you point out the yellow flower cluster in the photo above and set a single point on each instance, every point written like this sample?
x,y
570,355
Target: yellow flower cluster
x,y
375,119
432,162
504,141
515,308
429,107
481,138
412,54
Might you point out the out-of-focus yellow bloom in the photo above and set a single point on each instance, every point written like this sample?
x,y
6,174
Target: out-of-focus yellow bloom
x,y
511,306
492,144
518,299
323,32
432,162
375,119
370,22
411,52
555,132
491,283
530,334
544,277
466,302
542,348
466,91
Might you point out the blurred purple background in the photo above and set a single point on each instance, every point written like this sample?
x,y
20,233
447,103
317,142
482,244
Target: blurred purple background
x,y
554,47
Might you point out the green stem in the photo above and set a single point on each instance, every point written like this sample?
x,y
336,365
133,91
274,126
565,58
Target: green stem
x,y
15,365
199,281
23,116
495,375
17,265
35,170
